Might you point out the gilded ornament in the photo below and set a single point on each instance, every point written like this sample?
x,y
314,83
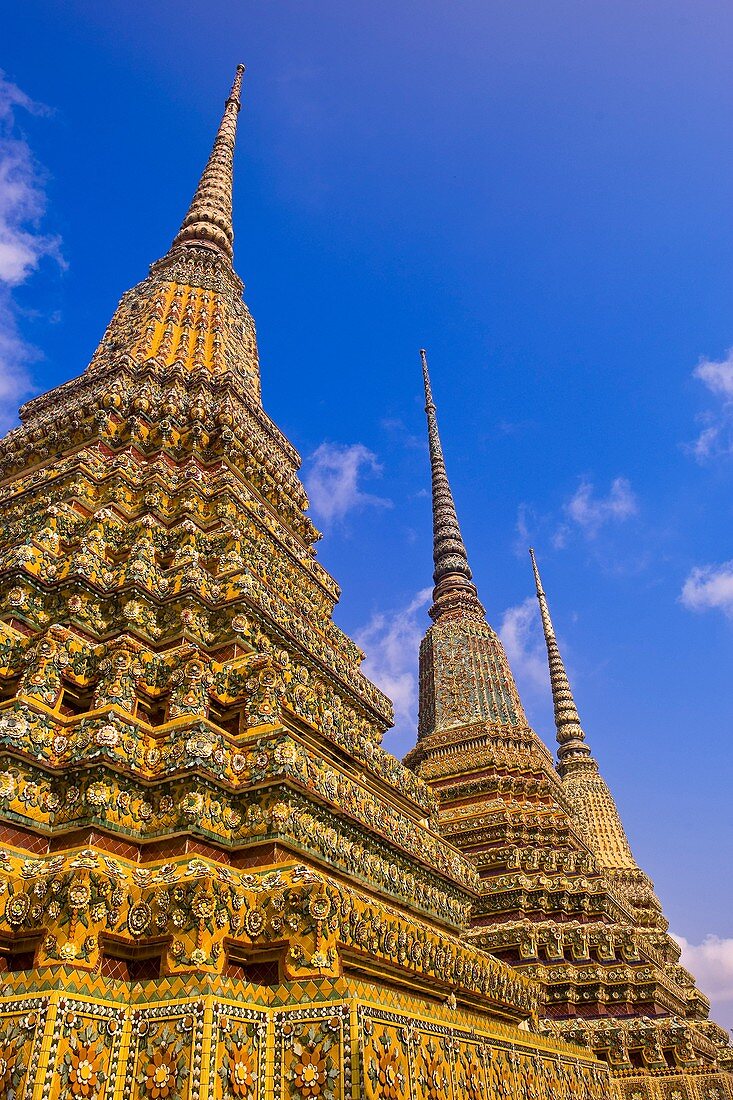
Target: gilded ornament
x,y
177,690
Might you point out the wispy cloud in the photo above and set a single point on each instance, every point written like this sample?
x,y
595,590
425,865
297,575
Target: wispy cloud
x,y
586,513
335,478
709,587
717,375
399,431
22,243
591,511
526,521
514,427
533,526
521,636
716,435
711,962
391,641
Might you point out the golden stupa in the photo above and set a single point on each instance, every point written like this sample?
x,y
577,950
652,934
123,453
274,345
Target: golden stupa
x,y
214,882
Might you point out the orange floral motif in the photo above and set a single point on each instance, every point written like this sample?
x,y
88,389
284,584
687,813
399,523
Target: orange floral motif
x,y
310,1074
435,1081
472,1082
160,1075
241,1075
500,1077
530,1081
390,1076
7,1060
84,1072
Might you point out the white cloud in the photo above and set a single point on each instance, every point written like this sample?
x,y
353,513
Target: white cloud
x,y
22,244
709,587
711,964
334,480
11,96
559,537
591,512
521,636
15,356
391,642
586,512
533,526
525,520
717,375
709,442
716,437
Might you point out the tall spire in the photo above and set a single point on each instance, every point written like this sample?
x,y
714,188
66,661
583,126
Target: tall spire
x,y
453,590
594,810
209,218
570,735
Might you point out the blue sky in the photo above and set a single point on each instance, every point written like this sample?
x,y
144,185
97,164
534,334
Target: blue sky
x,y
538,193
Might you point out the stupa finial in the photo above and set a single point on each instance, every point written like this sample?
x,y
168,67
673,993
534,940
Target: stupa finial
x,y
453,590
570,735
209,218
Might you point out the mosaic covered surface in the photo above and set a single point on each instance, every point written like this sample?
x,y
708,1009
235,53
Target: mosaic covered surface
x,y
562,898
214,882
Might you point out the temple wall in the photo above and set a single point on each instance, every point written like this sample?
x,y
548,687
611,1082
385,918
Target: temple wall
x,y
154,1041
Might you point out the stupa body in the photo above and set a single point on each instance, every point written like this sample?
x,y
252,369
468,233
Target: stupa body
x,y
214,882
562,899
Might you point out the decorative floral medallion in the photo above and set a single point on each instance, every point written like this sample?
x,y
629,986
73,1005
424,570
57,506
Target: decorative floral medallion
x,y
241,1073
471,1076
139,918
387,1069
161,1074
237,1059
311,1054
79,895
84,1066
254,922
17,909
432,1076
163,1059
310,1074
11,1073
84,1074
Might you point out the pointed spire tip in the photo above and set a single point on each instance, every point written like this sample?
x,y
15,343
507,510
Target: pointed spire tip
x,y
426,380
453,590
236,92
537,580
570,735
209,218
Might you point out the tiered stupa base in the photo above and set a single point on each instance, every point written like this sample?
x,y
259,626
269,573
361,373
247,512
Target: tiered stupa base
x,y
101,1021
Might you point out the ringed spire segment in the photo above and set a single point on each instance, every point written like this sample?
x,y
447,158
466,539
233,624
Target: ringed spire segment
x,y
454,589
208,221
570,735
